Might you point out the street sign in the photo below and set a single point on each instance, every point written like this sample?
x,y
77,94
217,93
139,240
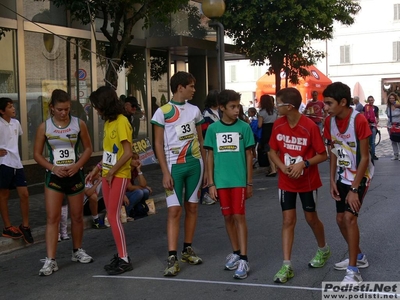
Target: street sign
x,y
81,74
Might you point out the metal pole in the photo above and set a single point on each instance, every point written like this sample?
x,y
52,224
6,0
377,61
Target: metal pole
x,y
221,53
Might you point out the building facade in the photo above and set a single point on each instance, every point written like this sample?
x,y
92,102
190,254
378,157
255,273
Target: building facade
x,y
42,49
365,55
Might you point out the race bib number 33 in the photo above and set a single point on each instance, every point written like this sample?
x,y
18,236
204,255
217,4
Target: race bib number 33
x,y
228,142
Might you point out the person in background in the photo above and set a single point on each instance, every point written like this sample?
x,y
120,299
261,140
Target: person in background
x,y
242,116
154,105
211,115
136,193
116,170
266,118
92,192
393,114
297,148
351,172
12,173
257,131
177,126
231,140
371,112
62,134
131,107
315,110
357,105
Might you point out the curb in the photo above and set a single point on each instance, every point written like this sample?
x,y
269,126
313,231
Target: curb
x,y
8,245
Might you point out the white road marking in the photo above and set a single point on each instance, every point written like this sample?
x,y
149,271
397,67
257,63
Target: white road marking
x,y
236,283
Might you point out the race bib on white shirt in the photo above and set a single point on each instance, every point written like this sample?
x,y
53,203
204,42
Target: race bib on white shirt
x,y
342,158
186,131
64,157
290,160
228,142
109,160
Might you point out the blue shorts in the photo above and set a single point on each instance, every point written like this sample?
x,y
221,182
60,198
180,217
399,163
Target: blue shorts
x,y
66,185
308,200
11,178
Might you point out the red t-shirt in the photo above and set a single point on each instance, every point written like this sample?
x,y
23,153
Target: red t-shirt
x,y
315,111
305,141
361,126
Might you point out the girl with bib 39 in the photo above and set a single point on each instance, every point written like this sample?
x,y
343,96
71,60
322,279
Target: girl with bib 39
x,y
61,134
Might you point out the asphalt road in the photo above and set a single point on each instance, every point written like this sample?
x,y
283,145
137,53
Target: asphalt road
x,y
147,246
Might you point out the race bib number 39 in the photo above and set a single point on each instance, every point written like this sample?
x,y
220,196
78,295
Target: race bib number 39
x,y
64,156
228,142
109,160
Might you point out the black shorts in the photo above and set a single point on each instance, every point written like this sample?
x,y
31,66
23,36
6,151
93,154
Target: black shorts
x,y
66,185
344,189
308,200
11,178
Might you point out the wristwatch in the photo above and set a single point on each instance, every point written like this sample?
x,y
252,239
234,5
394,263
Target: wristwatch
x,y
354,190
306,164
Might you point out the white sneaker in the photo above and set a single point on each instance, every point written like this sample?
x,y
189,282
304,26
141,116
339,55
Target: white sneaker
x,y
395,157
49,267
352,277
361,264
232,261
81,256
242,270
207,200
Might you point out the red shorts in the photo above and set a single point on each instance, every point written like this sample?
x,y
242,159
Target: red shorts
x,y
232,200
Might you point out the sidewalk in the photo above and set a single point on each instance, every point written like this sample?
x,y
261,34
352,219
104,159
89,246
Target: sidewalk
x,y
37,212
153,176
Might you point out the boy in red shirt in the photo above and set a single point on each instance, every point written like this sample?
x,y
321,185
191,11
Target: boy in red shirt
x,y
296,149
348,132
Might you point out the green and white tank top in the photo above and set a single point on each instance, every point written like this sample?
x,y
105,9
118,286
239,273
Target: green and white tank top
x,y
62,143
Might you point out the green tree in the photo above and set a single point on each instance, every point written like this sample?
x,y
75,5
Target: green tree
x,y
281,31
119,17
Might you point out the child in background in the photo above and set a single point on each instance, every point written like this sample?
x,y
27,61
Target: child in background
x,y
12,173
136,193
92,191
228,140
257,131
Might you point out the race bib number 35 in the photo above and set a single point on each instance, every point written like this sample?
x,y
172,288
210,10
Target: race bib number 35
x,y
64,156
228,142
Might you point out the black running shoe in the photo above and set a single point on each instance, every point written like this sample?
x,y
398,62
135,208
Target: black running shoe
x,y
98,224
12,232
26,234
112,263
120,267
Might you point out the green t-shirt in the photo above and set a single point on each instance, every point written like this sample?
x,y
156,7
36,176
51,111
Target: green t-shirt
x,y
229,143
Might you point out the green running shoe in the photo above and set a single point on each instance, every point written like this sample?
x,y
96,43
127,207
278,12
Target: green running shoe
x,y
172,268
320,258
284,274
190,257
